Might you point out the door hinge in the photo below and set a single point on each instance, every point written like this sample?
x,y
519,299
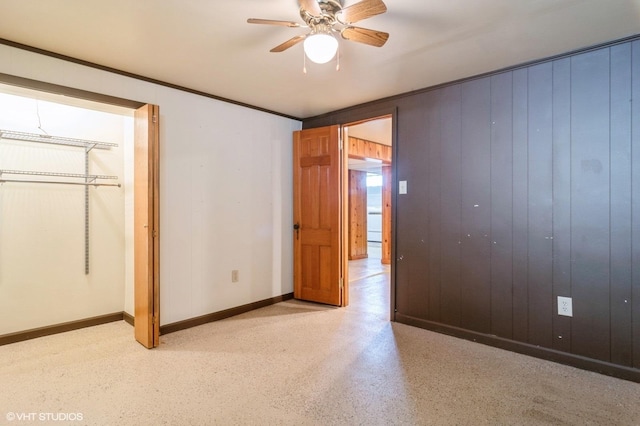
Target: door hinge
x,y
341,283
154,233
153,320
340,142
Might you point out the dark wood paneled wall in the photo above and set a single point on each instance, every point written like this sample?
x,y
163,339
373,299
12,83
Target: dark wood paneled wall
x,y
523,186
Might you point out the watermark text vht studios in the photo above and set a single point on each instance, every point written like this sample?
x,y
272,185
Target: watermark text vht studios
x,y
44,417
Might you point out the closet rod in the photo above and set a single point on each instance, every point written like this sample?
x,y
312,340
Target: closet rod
x,y
54,140
59,183
53,174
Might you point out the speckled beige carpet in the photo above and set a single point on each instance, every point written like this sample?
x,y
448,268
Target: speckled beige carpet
x,y
299,364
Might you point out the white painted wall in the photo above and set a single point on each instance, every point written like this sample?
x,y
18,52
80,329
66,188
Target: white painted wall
x,y
42,273
225,188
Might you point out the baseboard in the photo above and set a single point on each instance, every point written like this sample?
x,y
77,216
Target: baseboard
x,y
120,316
358,256
128,318
20,336
584,363
216,316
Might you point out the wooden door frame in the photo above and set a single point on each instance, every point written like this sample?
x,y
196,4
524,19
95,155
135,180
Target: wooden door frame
x,y
384,113
344,215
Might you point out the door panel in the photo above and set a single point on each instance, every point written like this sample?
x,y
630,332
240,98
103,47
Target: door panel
x,y
146,241
318,266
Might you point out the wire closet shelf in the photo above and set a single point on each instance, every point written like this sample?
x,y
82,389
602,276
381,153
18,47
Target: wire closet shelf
x,y
88,145
41,177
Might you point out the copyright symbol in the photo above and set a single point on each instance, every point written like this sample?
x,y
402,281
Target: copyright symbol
x,y
11,416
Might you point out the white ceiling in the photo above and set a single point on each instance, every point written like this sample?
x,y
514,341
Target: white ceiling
x,y
379,130
207,45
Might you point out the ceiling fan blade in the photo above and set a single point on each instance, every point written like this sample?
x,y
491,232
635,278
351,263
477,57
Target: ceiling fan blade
x,y
363,35
362,10
311,6
287,44
272,22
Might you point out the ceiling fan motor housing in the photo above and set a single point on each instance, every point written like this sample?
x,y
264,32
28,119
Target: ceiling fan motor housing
x,y
328,18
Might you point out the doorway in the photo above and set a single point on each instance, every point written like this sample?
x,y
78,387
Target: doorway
x,y
321,208
370,159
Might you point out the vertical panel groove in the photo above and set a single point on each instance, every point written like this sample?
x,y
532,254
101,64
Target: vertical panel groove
x,y
460,224
513,222
635,203
561,276
519,206
528,228
570,242
609,116
491,268
634,99
611,331
513,301
591,187
553,203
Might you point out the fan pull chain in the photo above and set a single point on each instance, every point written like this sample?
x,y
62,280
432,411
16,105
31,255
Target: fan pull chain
x,y
338,58
304,62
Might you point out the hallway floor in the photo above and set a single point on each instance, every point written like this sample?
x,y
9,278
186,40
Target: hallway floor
x,y
298,363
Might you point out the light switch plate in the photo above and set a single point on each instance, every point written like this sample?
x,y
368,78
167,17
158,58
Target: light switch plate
x,y
402,187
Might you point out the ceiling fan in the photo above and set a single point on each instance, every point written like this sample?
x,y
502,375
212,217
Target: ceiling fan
x,y
325,17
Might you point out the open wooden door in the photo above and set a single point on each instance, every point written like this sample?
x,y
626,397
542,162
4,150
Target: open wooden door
x,y
319,271
145,222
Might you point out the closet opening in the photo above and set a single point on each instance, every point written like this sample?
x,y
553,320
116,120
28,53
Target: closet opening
x,y
66,211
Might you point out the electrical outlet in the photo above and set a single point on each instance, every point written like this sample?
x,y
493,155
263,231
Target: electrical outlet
x,y
235,276
565,306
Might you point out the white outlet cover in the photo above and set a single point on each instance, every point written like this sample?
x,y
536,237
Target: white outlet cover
x,y
565,306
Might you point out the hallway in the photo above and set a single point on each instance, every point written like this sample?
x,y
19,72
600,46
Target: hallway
x,y
304,364
369,287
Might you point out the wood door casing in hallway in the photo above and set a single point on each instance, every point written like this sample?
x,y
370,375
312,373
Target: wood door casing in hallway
x,y
358,244
387,183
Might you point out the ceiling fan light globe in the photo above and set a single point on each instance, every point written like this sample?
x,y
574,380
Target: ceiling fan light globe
x,y
320,48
